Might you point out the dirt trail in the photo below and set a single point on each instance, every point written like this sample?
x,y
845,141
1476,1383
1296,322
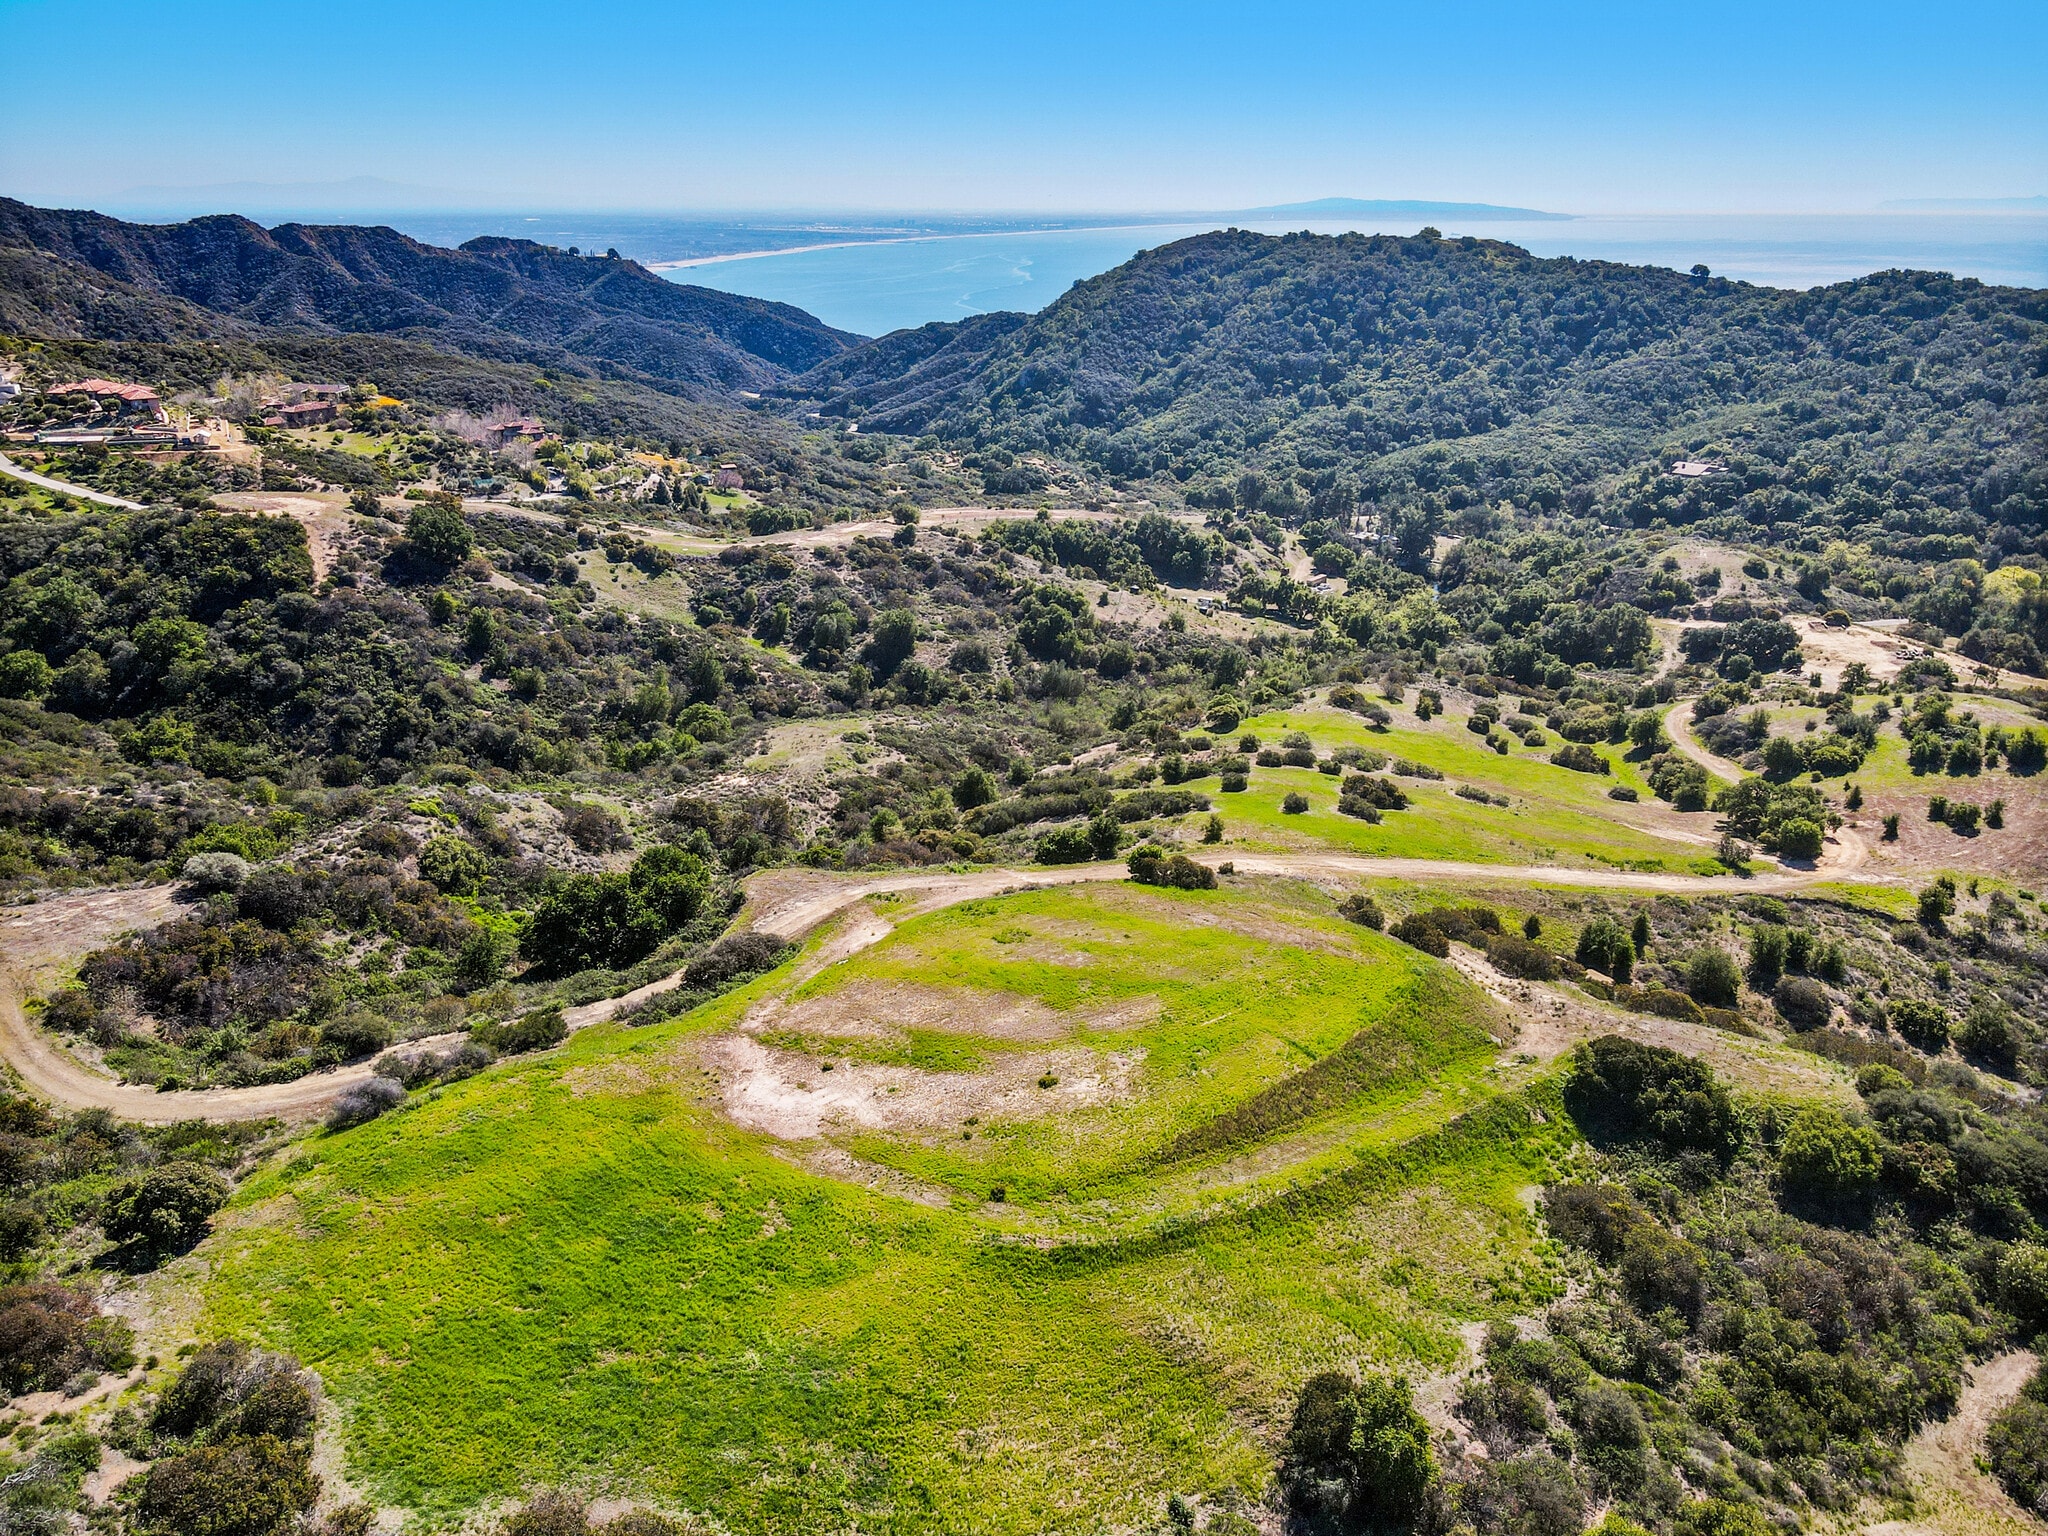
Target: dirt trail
x,y
1678,726
787,903
38,940
1956,1497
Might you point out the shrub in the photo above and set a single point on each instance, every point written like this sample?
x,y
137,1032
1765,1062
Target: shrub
x,y
49,1333
1596,1217
732,958
355,1034
1802,1003
1064,845
1713,979
1364,911
1156,866
1357,1455
1604,945
1581,759
1925,1024
215,871
2023,1284
1294,804
244,1486
1515,956
165,1210
454,865
1623,792
363,1102
1987,1035
1665,1004
2017,1448
1827,1157
586,921
1662,1273
1418,932
534,1031
436,532
1621,1091
973,789
228,1388
1800,838
1768,944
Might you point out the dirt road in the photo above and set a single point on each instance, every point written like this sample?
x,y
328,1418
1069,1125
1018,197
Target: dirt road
x,y
1956,1496
787,903
1678,726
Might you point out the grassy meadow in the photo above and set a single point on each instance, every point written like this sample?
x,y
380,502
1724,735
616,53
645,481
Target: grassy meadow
x,y
588,1268
1555,815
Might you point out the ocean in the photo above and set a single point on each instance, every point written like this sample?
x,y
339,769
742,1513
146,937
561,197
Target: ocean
x,y
873,288
872,275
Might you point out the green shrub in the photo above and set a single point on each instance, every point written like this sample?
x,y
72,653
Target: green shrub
x,y
1294,804
1801,1002
534,1031
1515,956
1925,1024
1357,1456
1825,1156
1620,1091
2023,1284
454,865
253,1486
1419,932
1604,945
1363,910
1713,979
166,1210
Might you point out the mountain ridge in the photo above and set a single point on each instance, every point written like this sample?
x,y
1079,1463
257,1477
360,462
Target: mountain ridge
x,y
494,297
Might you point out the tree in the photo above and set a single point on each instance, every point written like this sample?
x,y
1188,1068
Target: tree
x,y
973,788
1923,1023
671,883
1604,945
1620,1091
892,642
1827,1157
587,921
1768,944
437,533
166,1210
1357,1455
1712,978
1639,935
25,675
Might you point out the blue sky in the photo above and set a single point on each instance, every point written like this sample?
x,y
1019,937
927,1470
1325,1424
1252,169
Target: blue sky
x,y
632,104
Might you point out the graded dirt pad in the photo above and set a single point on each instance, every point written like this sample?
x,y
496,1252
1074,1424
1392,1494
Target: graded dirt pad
x,y
793,1097
870,1010
324,517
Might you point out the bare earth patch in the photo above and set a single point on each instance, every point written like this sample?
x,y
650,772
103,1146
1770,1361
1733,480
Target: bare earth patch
x,y
791,1098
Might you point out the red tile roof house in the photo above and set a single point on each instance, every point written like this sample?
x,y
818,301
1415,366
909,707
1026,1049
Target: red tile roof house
x,y
133,397
308,413
523,430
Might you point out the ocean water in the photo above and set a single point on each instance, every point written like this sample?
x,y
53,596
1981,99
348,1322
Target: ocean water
x,y
874,287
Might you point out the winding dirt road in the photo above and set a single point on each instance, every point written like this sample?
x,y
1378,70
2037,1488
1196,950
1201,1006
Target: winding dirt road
x,y
37,941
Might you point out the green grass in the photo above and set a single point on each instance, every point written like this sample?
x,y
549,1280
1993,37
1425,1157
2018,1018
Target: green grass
x,y
576,1269
1555,816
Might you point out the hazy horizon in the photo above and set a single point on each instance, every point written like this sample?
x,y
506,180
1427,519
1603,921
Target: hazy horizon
x,y
786,109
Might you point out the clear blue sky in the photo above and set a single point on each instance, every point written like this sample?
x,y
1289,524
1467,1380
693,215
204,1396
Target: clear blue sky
x,y
633,104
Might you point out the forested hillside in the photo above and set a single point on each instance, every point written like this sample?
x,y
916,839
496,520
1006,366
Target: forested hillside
x,y
1328,366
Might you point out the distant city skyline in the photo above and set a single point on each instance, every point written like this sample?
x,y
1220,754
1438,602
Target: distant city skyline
x,y
784,106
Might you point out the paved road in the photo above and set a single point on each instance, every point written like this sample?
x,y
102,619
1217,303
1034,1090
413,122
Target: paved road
x,y
65,488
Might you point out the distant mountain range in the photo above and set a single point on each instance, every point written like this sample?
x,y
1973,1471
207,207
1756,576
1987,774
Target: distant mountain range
x,y
1966,205
90,276
1382,208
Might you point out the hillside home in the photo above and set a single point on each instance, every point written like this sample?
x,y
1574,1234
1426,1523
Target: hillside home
x,y
126,399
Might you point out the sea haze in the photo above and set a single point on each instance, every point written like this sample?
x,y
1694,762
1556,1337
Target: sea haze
x,y
873,288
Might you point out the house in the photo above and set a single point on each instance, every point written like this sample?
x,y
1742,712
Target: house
x,y
127,399
315,391
9,389
1697,469
524,430
309,413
